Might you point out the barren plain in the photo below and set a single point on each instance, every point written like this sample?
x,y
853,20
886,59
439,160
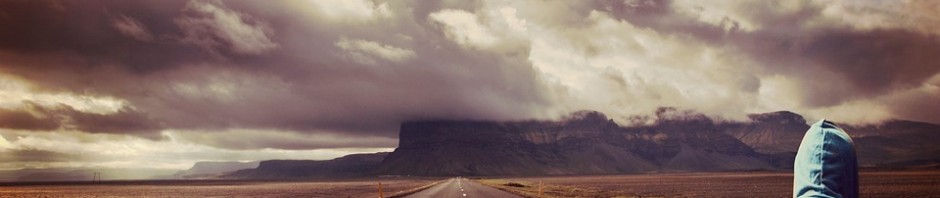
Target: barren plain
x,y
212,188
725,184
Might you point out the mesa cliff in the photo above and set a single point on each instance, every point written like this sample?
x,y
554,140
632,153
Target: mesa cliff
x,y
585,143
588,142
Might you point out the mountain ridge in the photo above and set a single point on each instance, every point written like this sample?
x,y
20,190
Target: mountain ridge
x,y
587,142
212,169
349,166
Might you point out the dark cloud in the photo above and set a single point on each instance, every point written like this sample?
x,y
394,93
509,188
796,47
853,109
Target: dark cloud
x,y
86,30
14,119
917,105
200,71
34,155
833,63
40,118
876,62
839,65
125,121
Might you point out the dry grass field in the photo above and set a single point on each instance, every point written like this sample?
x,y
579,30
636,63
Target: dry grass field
x,y
744,184
761,184
353,188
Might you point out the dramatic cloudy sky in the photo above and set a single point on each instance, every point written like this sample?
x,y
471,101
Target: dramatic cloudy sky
x,y
163,83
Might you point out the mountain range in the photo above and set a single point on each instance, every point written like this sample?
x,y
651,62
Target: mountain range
x,y
587,142
211,170
350,166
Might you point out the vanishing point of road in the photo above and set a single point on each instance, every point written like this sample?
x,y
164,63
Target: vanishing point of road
x,y
462,187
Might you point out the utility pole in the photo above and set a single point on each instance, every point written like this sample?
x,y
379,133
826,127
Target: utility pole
x,y
96,177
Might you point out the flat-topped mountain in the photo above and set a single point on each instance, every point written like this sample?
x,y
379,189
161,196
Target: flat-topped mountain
x,y
587,142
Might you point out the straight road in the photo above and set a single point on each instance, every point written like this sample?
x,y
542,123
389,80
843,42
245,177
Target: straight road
x,y
460,188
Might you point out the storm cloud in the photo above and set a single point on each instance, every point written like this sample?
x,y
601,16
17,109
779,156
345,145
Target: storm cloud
x,y
307,75
216,65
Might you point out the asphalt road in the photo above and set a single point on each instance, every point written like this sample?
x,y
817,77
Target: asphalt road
x,y
462,187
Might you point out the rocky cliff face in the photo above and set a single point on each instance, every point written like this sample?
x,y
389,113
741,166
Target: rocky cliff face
x,y
770,133
589,143
582,144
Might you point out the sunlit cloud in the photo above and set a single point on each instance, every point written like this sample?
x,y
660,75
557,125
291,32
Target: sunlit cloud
x,y
352,11
365,51
121,151
15,91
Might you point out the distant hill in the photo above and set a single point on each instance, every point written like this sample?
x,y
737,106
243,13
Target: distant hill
x,y
355,165
79,174
897,144
200,170
769,133
213,169
892,144
587,142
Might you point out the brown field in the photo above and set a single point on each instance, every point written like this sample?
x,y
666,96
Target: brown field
x,y
216,188
744,184
749,184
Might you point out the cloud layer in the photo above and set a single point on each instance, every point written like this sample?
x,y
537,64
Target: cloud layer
x,y
306,75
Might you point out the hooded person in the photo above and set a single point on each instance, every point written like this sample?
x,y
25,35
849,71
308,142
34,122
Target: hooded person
x,y
825,164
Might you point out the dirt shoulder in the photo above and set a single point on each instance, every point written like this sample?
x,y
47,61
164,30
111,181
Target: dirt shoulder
x,y
727,184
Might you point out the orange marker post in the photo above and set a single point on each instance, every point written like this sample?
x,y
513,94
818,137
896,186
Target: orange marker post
x,y
540,189
380,191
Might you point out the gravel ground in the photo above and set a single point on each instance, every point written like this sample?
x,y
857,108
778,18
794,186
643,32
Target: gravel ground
x,y
749,184
360,188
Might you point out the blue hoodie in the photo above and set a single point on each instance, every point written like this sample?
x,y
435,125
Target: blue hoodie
x,y
825,165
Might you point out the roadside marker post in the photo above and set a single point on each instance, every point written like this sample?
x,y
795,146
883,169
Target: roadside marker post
x,y
540,188
380,191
